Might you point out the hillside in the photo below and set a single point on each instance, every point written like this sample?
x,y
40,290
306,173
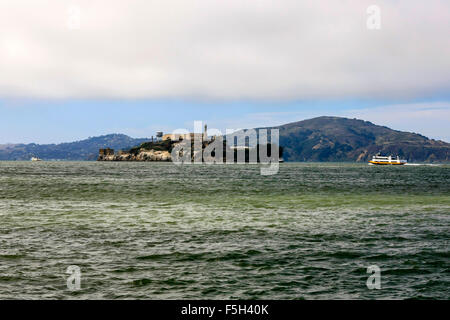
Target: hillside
x,y
317,139
79,150
343,139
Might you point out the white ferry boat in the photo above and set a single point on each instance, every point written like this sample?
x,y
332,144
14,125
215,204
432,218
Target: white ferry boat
x,y
383,160
35,159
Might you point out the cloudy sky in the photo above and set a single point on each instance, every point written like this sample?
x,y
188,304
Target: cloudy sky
x,y
73,69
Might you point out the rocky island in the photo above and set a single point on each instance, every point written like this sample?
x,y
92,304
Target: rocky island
x,y
147,151
320,139
204,151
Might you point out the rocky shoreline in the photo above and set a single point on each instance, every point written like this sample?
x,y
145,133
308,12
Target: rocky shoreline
x,y
162,151
143,155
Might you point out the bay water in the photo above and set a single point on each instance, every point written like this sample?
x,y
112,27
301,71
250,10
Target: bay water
x,y
162,231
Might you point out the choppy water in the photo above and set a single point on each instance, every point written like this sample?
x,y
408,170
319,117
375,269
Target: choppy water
x,y
157,231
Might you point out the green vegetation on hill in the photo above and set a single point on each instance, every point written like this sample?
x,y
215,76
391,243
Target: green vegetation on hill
x,y
343,139
318,139
79,150
156,146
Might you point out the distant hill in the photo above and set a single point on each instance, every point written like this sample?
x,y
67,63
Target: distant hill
x,y
317,139
79,150
343,139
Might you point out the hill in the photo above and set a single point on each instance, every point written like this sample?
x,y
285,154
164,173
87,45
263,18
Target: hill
x,y
79,150
343,139
317,139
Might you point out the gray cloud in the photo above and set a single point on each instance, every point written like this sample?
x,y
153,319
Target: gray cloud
x,y
210,49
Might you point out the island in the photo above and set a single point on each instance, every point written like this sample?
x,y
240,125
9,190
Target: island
x,y
161,149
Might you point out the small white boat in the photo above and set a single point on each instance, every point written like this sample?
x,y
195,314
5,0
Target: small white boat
x,y
35,159
383,160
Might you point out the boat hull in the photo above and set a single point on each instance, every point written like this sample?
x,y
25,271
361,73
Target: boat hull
x,y
379,163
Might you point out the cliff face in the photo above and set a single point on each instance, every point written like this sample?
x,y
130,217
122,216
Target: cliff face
x,y
147,151
342,139
142,155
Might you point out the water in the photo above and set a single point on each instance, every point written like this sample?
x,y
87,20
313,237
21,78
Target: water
x,y
159,231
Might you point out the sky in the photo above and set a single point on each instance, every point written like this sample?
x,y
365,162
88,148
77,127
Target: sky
x,y
80,68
